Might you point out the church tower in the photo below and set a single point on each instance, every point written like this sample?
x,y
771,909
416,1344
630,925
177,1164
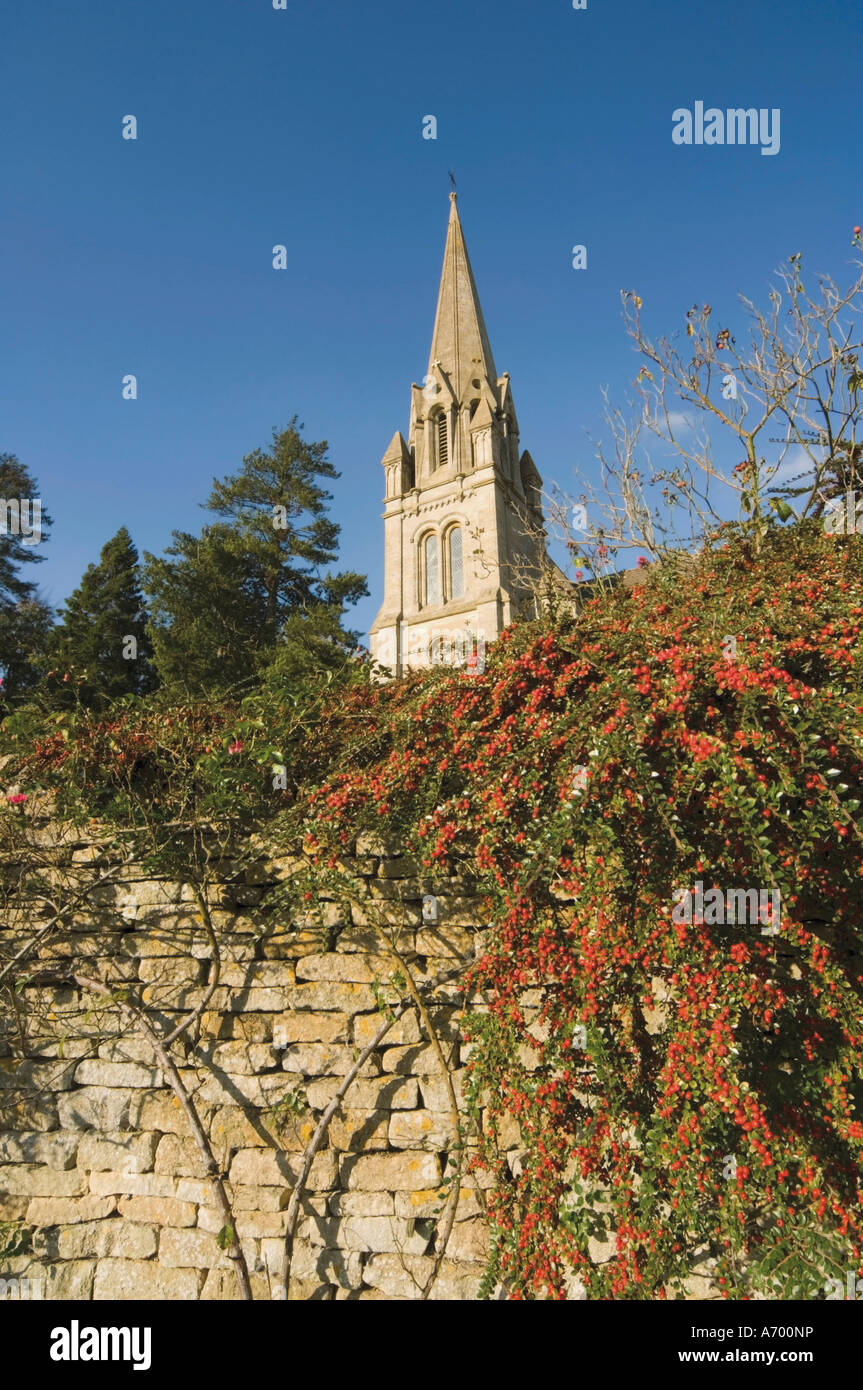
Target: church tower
x,y
463,517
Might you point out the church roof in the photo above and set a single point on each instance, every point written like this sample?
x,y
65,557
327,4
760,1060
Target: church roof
x,y
460,336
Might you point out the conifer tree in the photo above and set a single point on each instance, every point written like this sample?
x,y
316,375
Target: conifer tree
x,y
100,649
224,604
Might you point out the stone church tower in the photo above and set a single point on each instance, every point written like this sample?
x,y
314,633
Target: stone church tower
x,y
463,519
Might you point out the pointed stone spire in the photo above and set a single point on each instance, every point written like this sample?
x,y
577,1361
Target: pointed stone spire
x,y
460,339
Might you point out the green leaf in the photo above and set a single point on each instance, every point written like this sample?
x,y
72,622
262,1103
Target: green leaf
x,y
781,508
226,1238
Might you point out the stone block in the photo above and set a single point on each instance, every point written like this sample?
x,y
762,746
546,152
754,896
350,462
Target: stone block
x,y
468,1241
404,1172
119,1149
258,1000
446,942
194,1249
158,1110
313,1264
324,996
367,1234
95,1072
343,968
602,1251
176,997
159,1211
179,1157
359,1130
363,1204
247,1027
70,1281
197,1190
161,892
13,1208
28,1113
381,1093
127,1050
66,1050
405,1030
227,1088
420,1129
94,1107
230,1128
435,1093
392,1274
404,866
174,970
119,1184
240,1057
507,1128
146,1279
378,844
55,1150
249,1225
55,1211
456,911
265,1168
429,1205
421,1060
400,914
153,943
325,1059
25,1075
310,1027
115,1237
257,974
220,1286
266,1199
34,1180
457,1282
367,941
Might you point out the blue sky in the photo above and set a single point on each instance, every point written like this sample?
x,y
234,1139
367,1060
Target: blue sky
x,y
304,127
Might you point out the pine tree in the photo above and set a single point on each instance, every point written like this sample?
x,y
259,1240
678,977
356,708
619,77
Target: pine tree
x,y
100,649
25,619
223,604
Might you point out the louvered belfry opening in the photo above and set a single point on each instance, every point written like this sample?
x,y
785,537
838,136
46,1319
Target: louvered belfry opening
x,y
442,445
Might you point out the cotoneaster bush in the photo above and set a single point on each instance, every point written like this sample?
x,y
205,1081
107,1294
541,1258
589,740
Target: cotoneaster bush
x,y
713,1113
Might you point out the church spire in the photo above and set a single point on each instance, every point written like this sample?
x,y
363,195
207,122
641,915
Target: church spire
x,y
460,340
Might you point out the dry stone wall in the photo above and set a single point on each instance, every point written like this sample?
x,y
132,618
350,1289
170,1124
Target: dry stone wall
x,y
101,1182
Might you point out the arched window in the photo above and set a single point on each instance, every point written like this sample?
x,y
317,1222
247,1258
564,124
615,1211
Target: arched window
x,y
456,567
431,572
